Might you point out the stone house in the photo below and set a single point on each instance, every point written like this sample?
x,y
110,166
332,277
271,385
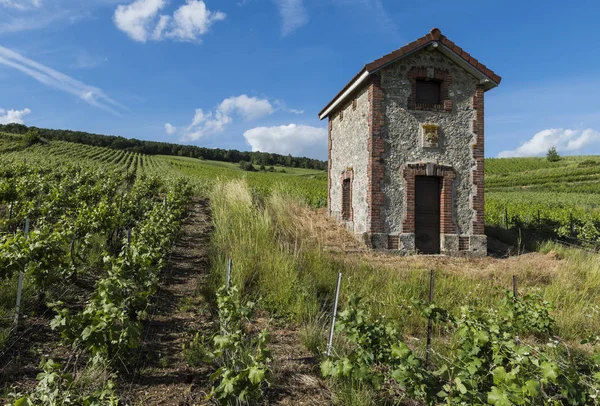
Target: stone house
x,y
406,138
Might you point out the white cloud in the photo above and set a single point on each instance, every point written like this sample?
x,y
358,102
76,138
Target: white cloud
x,y
170,128
135,19
564,140
249,108
50,77
293,15
13,116
21,4
141,20
192,20
298,140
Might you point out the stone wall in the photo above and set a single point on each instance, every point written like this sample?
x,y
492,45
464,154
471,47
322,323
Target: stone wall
x,y
348,138
404,140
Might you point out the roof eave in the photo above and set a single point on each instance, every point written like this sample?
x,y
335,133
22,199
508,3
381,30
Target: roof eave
x,y
487,82
350,88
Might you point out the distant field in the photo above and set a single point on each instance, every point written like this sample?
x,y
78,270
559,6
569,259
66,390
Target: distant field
x,y
528,192
307,184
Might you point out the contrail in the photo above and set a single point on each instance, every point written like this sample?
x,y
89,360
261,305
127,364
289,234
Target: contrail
x,y
53,78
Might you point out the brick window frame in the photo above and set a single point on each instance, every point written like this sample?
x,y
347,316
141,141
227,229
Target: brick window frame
x,y
447,176
443,77
347,176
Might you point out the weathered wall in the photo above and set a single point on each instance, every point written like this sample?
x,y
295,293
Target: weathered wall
x,y
403,142
348,143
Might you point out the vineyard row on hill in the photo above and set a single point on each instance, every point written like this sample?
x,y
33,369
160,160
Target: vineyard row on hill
x,y
560,199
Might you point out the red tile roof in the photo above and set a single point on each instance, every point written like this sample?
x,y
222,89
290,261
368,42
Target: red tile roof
x,y
435,35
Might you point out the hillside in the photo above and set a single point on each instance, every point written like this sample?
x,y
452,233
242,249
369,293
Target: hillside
x,y
554,199
165,148
551,199
124,267
307,184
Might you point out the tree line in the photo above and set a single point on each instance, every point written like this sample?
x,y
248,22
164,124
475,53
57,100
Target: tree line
x,y
166,148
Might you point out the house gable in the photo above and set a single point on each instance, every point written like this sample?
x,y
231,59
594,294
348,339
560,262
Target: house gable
x,y
434,39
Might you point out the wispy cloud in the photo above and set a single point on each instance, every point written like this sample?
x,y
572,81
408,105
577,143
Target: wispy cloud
x,y
293,15
13,116
85,60
141,21
55,79
40,19
373,11
21,4
280,105
563,139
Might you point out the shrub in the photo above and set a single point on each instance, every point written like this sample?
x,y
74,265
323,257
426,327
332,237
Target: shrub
x,y
247,166
32,137
552,155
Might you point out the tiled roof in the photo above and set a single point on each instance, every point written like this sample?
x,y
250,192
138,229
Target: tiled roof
x,y
435,35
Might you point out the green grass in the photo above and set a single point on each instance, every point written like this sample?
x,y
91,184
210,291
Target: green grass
x,y
276,260
281,265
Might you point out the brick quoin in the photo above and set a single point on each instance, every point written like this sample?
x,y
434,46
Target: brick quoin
x,y
375,147
447,176
478,154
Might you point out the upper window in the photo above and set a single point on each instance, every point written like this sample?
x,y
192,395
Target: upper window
x,y
428,92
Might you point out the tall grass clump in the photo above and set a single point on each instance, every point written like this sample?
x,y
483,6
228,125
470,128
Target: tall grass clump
x,y
265,266
279,256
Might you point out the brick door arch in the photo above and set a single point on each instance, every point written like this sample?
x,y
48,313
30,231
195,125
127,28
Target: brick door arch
x,y
447,176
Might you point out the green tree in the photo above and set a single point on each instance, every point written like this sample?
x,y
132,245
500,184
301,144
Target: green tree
x,y
552,155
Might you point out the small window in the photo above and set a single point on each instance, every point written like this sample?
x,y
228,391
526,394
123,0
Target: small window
x,y
428,92
346,197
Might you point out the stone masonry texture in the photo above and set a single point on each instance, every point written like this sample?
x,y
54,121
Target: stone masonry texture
x,y
348,150
377,134
403,138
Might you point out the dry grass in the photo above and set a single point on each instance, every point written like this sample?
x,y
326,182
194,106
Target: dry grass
x,y
292,254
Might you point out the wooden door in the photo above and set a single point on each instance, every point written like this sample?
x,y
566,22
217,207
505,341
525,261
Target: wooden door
x,y
427,214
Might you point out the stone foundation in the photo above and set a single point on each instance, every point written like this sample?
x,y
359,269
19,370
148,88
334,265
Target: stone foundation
x,y
450,244
478,245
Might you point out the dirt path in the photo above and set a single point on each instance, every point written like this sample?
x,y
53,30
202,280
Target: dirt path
x,y
295,372
162,376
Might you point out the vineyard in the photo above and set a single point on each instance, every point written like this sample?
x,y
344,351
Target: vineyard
x,y
552,199
120,302
306,184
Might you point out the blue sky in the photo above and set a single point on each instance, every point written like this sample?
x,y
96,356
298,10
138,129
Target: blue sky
x,y
253,74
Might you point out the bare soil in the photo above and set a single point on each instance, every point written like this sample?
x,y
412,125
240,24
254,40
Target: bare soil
x,y
296,372
161,376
